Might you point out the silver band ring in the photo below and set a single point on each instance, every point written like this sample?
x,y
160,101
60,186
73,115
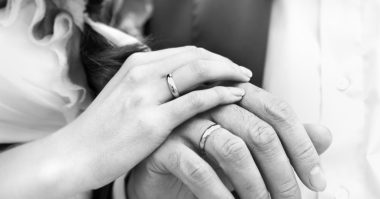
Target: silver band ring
x,y
206,134
172,87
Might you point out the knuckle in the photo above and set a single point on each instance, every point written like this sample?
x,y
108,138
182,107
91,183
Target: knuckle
x,y
220,92
174,160
264,194
239,111
201,52
135,75
306,151
224,111
252,88
132,101
164,158
233,149
263,136
135,58
257,192
279,110
197,172
289,189
153,162
234,108
196,101
199,69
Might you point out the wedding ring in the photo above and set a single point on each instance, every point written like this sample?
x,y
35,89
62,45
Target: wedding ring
x,y
172,87
206,134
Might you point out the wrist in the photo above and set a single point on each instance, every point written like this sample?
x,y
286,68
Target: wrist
x,y
69,163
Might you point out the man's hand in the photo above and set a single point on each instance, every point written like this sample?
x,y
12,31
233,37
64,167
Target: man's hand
x,y
277,140
251,153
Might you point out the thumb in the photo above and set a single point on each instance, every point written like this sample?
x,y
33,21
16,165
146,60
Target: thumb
x,y
320,136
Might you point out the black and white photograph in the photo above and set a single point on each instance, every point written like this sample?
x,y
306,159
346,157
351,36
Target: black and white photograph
x,y
189,99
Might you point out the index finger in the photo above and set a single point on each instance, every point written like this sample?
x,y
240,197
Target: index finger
x,y
292,133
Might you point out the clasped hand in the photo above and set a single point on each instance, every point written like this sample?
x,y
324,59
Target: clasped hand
x,y
135,122
256,152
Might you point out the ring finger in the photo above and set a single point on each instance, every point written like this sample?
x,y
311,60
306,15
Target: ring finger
x,y
232,156
192,75
266,147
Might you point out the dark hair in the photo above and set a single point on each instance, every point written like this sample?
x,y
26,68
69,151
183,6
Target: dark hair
x,y
3,3
100,58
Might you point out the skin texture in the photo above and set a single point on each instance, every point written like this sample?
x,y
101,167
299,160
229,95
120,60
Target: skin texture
x,y
261,126
267,128
129,119
148,180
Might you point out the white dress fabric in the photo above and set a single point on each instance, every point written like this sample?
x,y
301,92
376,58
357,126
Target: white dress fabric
x,y
37,94
324,59
42,82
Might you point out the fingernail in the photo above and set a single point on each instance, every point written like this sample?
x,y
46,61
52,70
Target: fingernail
x,y
246,71
317,179
237,91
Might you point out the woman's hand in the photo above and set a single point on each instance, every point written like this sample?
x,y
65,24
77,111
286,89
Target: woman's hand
x,y
128,120
136,111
